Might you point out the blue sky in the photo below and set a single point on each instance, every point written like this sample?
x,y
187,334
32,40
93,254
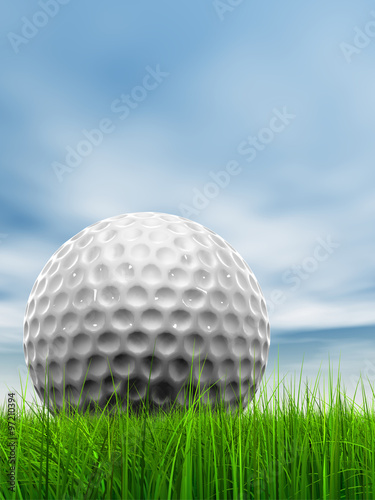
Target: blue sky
x,y
225,74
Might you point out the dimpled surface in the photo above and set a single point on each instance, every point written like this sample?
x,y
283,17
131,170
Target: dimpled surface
x,y
134,283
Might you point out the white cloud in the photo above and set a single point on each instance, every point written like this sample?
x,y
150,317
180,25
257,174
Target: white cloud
x,y
298,312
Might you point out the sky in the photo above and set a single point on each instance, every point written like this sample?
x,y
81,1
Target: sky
x,y
255,119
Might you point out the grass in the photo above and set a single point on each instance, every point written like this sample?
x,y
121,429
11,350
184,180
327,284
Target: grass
x,y
293,443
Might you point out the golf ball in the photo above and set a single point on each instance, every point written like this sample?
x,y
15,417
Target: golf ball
x,y
146,304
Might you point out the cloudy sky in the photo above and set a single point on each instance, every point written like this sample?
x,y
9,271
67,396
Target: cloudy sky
x,y
253,118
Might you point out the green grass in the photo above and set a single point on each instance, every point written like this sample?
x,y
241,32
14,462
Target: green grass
x,y
293,443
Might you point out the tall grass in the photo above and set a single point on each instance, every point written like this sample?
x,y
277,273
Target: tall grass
x,y
293,442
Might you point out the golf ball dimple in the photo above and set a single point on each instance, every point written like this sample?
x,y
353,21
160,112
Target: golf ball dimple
x,y
133,300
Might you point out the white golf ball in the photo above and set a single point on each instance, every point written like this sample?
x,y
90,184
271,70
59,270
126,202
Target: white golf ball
x,y
141,288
